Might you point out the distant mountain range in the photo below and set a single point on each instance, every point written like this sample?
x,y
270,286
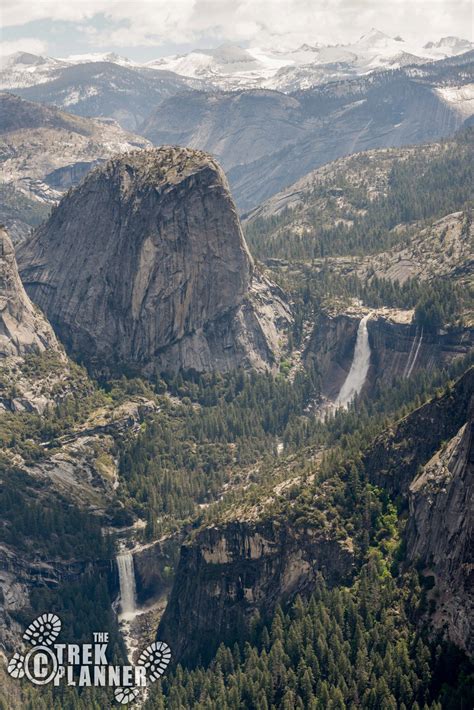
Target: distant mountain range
x,y
102,87
287,114
230,67
265,140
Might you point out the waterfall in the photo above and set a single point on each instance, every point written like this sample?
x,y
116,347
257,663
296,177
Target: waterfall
x,y
359,368
126,572
410,354
411,365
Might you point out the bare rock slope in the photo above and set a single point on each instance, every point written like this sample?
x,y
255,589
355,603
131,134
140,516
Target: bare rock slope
x,y
144,266
23,329
440,532
26,340
43,152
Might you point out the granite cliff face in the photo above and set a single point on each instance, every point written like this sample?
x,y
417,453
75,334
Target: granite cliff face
x,y
26,336
20,575
239,568
399,348
394,457
144,266
426,462
440,533
404,350
23,329
230,573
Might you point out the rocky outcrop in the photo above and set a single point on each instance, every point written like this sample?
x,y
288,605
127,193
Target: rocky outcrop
x,y
440,533
20,575
34,370
23,329
443,249
44,152
402,350
229,574
144,266
395,456
155,565
399,348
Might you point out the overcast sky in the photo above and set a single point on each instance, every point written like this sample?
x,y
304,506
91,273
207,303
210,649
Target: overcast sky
x,y
144,29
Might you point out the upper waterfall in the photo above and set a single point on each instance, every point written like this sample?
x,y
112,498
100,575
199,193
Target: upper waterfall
x,y
128,594
359,368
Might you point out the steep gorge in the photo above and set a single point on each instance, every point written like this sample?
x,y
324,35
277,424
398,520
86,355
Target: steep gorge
x,y
237,570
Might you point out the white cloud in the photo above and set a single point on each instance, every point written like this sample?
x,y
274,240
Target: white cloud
x,y
27,44
146,22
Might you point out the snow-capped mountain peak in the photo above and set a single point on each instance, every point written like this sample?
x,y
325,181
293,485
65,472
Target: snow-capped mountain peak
x,y
231,67
22,69
229,54
372,37
450,45
308,48
24,60
111,57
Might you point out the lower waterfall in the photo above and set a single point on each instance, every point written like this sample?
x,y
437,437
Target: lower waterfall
x,y
128,592
359,368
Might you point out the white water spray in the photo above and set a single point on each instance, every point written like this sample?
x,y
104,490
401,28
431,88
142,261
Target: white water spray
x,y
128,592
359,368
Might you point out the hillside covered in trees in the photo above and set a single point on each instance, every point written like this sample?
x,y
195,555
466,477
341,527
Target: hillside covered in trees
x,y
94,463
357,204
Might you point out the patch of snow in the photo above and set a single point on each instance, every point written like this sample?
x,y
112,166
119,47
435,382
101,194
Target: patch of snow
x,y
100,57
461,98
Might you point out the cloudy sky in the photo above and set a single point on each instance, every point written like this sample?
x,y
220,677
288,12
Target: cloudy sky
x,y
144,29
